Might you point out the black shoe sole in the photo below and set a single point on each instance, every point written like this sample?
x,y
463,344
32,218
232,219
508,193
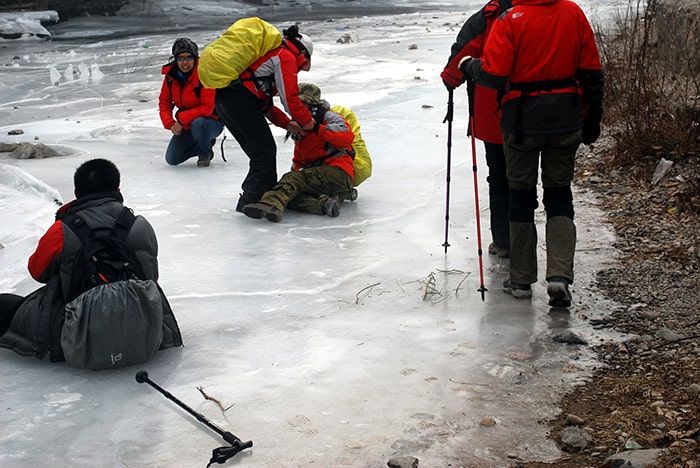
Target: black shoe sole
x,y
558,295
252,211
256,212
273,216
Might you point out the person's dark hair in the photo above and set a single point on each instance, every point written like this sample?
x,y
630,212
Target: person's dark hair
x,y
94,176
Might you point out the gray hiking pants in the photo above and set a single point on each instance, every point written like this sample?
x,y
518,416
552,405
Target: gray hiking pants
x,y
555,155
309,189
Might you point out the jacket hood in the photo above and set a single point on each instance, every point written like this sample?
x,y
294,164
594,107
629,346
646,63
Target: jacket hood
x,y
86,201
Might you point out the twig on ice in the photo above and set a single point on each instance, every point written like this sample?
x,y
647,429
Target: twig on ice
x,y
215,400
357,296
460,283
430,286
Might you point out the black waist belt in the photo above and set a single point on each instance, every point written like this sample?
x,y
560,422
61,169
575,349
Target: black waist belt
x,y
546,85
535,87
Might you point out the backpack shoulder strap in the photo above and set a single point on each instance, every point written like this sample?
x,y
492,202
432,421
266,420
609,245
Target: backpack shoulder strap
x,y
122,226
79,227
124,222
116,239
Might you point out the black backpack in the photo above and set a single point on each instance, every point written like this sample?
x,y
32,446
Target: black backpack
x,y
114,315
102,258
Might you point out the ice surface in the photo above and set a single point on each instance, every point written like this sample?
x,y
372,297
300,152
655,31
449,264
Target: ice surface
x,y
340,341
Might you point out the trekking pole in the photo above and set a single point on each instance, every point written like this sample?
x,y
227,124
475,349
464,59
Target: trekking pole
x,y
470,91
219,455
448,119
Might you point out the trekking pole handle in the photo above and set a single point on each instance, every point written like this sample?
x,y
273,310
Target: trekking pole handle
x,y
233,440
221,454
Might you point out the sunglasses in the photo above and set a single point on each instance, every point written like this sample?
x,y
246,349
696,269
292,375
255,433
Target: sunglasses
x,y
187,58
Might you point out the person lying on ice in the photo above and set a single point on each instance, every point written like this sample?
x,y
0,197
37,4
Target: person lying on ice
x,y
322,167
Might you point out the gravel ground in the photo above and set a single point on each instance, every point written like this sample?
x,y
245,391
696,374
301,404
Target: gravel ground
x,y
647,394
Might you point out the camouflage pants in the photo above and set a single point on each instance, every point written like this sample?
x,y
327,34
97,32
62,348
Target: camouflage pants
x,y
309,189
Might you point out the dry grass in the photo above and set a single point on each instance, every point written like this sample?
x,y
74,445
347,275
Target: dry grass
x,y
652,91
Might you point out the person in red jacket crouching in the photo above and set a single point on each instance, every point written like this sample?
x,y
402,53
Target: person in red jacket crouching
x,y
543,53
322,167
194,125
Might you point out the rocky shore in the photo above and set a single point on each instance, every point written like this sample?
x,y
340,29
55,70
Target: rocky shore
x,y
643,405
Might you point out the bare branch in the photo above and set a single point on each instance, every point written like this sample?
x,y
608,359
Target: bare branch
x,y
215,400
357,296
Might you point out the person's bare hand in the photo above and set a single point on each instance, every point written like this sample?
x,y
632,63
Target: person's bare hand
x,y
294,128
176,128
309,126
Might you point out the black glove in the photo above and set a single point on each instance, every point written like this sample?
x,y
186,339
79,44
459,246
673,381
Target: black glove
x,y
463,64
318,112
591,125
448,86
590,131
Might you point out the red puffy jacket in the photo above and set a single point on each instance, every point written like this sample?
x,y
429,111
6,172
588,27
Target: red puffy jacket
x,y
470,42
191,99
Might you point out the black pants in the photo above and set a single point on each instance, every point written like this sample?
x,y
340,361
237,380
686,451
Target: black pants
x,y
499,194
9,303
238,109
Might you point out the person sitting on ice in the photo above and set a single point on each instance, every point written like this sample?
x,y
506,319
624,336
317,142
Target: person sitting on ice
x,y
33,325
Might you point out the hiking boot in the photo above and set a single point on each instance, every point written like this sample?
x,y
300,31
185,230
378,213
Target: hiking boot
x,y
332,207
205,159
243,200
517,290
262,210
500,252
558,290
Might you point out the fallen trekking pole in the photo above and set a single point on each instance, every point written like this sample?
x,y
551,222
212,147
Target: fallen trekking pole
x,y
448,118
219,455
470,90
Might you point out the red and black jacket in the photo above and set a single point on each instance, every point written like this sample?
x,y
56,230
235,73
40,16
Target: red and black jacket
x,y
544,53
